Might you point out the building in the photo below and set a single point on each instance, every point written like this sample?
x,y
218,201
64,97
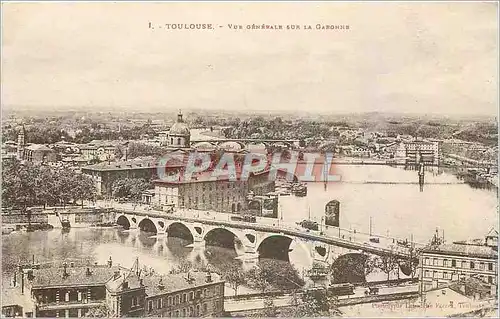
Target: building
x,y
221,195
179,134
105,173
114,291
442,264
37,153
457,297
426,151
97,151
195,294
70,291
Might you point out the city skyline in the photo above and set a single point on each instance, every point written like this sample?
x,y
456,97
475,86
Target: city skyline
x,y
100,57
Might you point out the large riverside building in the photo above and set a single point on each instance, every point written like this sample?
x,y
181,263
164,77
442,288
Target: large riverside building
x,y
411,153
104,174
442,264
203,193
114,291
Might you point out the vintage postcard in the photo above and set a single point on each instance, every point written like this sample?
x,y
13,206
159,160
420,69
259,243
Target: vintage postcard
x,y
249,159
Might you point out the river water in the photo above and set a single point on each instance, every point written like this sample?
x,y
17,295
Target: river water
x,y
396,209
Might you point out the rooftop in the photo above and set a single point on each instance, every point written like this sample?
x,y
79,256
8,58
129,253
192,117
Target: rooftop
x,y
462,250
77,276
38,147
177,282
131,164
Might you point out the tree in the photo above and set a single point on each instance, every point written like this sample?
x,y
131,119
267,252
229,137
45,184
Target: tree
x,y
236,277
388,264
131,188
313,303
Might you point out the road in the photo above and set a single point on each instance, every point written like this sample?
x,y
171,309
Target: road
x,y
258,303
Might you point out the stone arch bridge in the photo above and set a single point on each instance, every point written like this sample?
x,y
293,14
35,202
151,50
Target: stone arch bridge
x,y
257,240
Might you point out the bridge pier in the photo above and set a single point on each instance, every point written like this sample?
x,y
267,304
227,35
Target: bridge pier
x,y
250,259
199,244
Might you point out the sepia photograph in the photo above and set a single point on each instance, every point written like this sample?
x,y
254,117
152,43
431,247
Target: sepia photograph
x,y
249,159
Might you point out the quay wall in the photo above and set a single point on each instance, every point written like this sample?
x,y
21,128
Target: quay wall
x,y
78,217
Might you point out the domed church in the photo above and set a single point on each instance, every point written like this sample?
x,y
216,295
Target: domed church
x,y
179,134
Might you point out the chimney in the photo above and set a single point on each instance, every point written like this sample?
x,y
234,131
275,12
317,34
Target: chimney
x,y
14,280
125,285
110,262
88,272
208,277
141,282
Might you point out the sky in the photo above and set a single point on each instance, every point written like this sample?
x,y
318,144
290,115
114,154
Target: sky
x,y
439,58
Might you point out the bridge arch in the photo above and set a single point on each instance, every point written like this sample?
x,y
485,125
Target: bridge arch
x,y
123,221
147,225
274,246
232,146
222,237
204,146
350,268
180,230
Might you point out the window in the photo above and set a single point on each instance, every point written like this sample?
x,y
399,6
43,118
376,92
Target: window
x,y
445,275
191,311
445,262
453,263
197,310
205,293
198,294
170,300
177,299
184,297
134,301
490,279
184,312
464,264
159,304
427,273
176,313
435,263
191,295
435,274
490,266
481,266
472,265
150,305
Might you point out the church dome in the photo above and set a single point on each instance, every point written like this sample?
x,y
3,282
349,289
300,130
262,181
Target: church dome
x,y
180,128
